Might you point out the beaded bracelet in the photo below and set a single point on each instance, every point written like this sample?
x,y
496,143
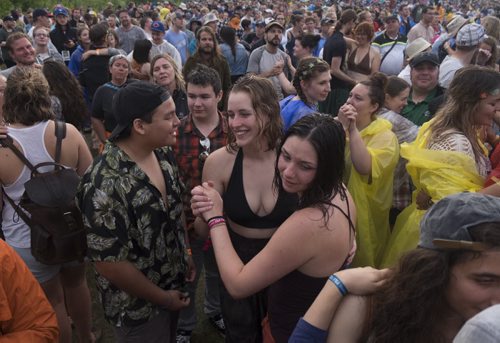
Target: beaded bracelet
x,y
340,285
213,222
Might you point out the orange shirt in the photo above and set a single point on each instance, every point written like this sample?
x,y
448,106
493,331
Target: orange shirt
x,y
25,313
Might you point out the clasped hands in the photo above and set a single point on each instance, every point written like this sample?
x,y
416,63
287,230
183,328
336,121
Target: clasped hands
x,y
347,116
206,202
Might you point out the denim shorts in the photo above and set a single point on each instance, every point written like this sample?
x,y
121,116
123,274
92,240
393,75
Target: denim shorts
x,y
42,272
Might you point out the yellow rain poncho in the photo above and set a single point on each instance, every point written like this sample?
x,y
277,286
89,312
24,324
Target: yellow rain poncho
x,y
373,194
439,174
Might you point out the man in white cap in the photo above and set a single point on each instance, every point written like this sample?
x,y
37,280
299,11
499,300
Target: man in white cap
x,y
468,39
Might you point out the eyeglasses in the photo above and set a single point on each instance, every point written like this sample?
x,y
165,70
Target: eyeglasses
x,y
41,35
205,144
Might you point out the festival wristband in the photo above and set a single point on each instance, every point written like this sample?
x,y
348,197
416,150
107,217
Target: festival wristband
x,y
213,222
340,285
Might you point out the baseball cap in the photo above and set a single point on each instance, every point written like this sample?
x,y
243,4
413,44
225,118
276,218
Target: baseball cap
x,y
260,23
8,18
470,35
60,11
133,101
327,21
40,12
157,26
447,223
271,24
424,57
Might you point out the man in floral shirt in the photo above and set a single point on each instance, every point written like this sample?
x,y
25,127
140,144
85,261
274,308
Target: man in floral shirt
x,y
131,203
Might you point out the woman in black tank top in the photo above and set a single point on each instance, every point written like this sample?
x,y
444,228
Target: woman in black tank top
x,y
243,173
315,241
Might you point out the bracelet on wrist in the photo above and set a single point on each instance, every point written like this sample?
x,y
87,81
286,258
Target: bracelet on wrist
x,y
215,221
339,284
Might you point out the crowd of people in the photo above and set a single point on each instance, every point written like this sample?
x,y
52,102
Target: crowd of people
x,y
290,151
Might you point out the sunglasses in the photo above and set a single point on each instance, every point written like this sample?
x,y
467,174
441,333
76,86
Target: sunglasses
x,y
205,144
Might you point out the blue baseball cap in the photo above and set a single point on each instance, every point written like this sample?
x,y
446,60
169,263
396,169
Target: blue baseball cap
x,y
157,26
60,11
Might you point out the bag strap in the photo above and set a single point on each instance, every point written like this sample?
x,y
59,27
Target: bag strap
x,y
388,51
9,143
60,135
18,209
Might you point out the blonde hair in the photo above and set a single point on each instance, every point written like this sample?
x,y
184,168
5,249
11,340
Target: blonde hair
x,y
179,79
26,97
468,87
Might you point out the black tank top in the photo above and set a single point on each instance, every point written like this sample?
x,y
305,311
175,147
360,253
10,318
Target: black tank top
x,y
237,209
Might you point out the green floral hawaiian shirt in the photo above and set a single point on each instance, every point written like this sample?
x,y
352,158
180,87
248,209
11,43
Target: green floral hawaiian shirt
x,y
127,220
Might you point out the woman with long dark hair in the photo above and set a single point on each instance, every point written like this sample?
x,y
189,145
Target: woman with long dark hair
x,y
234,52
315,241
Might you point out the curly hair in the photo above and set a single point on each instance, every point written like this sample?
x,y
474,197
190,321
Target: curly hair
x,y
26,97
412,305
462,102
308,69
265,102
64,85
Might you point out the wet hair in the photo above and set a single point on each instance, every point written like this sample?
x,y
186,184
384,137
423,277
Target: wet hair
x,y
245,23
328,139
363,15
376,89
308,69
309,41
98,33
179,79
64,85
15,37
461,104
204,76
265,103
365,29
346,16
142,47
143,21
26,97
395,85
417,290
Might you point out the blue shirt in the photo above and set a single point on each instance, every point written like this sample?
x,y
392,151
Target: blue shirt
x,y
237,64
307,333
76,60
293,110
180,41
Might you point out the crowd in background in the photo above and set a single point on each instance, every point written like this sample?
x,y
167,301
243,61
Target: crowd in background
x,y
302,138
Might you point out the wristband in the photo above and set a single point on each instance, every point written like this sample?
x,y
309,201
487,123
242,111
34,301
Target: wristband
x,y
213,222
337,282
189,252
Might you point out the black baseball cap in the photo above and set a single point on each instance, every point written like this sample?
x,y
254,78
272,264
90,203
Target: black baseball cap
x,y
424,57
134,101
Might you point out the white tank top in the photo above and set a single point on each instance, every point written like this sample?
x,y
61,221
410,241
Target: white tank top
x,y
32,143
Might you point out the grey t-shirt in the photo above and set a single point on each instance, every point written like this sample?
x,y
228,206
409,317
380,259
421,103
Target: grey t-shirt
x,y
261,61
128,38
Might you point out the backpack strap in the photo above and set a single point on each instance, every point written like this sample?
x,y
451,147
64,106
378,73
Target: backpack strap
x,y
18,209
60,135
9,143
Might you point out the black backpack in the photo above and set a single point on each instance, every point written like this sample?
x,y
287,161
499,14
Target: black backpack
x,y
49,208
